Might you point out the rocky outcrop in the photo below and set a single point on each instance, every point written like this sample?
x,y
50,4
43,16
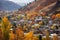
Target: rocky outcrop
x,y
37,5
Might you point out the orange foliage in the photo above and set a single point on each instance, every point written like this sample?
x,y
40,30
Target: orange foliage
x,y
53,16
11,36
20,34
0,34
29,35
31,13
58,15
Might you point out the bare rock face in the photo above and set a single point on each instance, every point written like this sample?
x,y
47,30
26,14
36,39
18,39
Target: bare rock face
x,y
56,8
37,5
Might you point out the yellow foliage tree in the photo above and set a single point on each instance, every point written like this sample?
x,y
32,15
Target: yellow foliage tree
x,y
11,35
47,35
35,38
29,36
6,25
19,33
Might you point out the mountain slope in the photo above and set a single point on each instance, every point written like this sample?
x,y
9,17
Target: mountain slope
x,y
37,5
8,5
